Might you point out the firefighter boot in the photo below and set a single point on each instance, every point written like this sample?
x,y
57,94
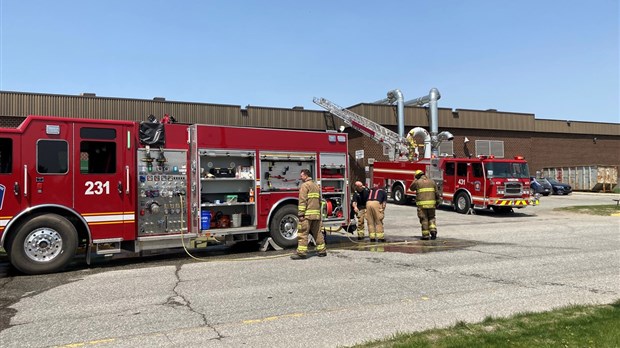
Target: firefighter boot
x,y
433,234
299,256
425,235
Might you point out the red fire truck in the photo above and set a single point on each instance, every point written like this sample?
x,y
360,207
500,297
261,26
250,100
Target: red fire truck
x,y
112,186
465,183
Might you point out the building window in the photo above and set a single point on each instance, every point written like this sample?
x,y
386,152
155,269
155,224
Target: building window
x,y
97,157
6,155
490,147
446,148
52,156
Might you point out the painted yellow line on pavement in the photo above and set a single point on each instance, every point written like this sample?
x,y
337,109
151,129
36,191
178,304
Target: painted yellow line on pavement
x,y
277,317
89,343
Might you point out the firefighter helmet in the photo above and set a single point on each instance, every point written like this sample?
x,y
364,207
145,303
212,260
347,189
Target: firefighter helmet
x,y
418,173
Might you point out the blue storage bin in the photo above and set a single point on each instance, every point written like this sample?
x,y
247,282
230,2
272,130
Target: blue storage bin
x,y
205,219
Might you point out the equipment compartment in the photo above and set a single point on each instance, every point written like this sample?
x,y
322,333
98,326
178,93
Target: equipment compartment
x,y
333,186
280,172
227,188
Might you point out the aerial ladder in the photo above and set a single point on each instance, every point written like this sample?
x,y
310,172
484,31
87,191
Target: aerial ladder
x,y
398,146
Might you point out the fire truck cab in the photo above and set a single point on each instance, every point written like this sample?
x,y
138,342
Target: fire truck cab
x,y
107,187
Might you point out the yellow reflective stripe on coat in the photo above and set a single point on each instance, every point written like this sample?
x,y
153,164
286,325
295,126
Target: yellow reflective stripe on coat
x,y
429,189
313,212
314,195
425,203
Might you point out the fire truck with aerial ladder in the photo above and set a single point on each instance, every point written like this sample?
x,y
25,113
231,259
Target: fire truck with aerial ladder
x,y
464,183
107,187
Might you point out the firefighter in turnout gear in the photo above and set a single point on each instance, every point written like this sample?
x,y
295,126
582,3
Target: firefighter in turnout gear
x,y
427,199
375,207
309,214
360,197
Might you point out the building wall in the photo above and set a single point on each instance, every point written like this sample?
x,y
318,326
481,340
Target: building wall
x,y
544,143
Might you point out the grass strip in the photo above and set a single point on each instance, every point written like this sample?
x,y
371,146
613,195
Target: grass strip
x,y
572,326
603,210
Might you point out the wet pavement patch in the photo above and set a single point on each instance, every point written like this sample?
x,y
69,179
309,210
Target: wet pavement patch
x,y
412,246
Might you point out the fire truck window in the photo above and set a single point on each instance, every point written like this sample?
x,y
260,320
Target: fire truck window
x,y
477,170
6,155
461,169
98,133
52,156
97,157
450,168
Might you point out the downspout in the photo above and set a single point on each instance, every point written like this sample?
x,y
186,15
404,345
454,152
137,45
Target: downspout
x,y
396,95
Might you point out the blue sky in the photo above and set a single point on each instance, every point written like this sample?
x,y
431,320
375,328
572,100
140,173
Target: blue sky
x,y
556,59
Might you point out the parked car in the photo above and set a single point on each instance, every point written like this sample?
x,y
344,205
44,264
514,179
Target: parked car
x,y
560,188
541,186
546,184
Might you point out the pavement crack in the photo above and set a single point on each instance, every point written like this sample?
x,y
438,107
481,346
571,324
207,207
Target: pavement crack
x,y
494,254
592,290
178,300
495,280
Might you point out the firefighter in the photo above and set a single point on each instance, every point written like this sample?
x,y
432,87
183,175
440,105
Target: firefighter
x,y
427,198
375,207
309,214
360,197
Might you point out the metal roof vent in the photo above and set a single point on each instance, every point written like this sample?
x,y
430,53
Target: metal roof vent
x,y
88,94
159,99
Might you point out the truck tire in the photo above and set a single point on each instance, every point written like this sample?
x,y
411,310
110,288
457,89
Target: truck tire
x,y
43,244
398,195
283,226
462,204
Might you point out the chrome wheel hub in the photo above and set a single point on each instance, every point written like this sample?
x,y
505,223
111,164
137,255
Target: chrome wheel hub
x,y
43,244
288,227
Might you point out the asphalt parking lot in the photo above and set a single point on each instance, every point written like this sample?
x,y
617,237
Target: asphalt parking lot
x,y
481,265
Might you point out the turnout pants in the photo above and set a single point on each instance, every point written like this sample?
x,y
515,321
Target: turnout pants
x,y
361,215
427,220
303,230
374,217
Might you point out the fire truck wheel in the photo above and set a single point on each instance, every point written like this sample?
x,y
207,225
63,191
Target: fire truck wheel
x,y
283,226
44,244
462,204
398,194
